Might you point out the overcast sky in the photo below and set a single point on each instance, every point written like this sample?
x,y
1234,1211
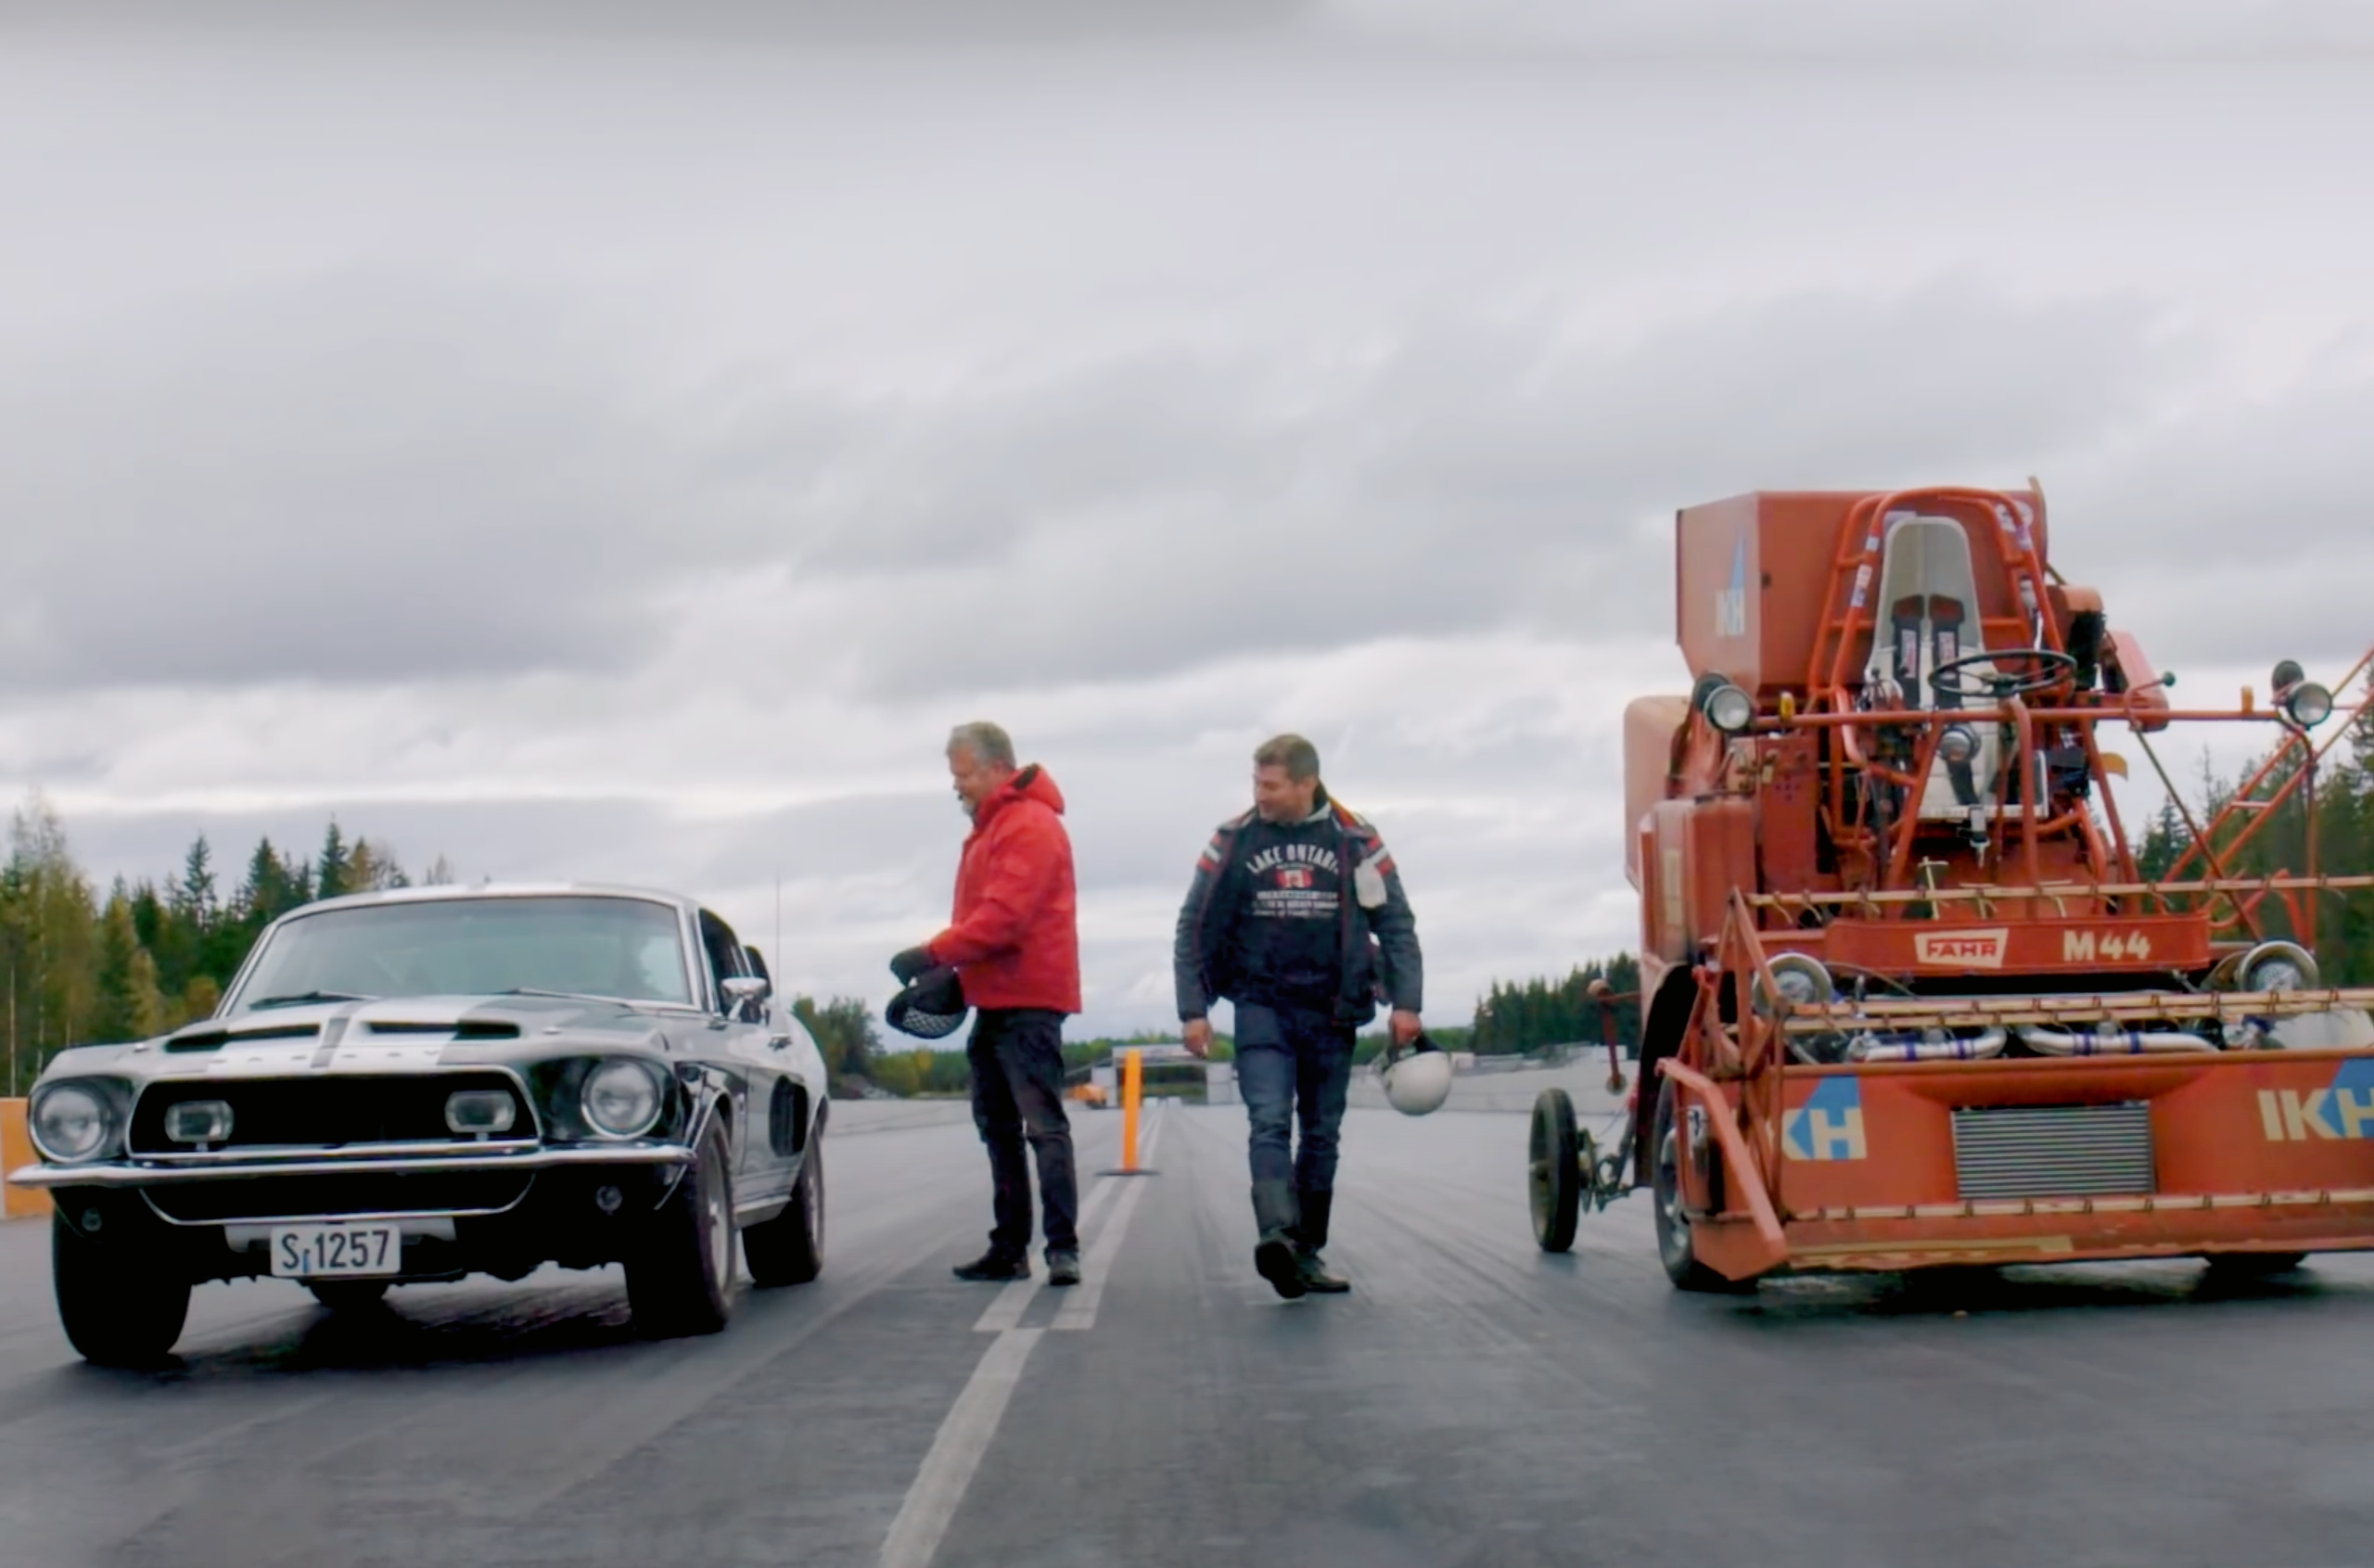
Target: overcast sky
x,y
589,447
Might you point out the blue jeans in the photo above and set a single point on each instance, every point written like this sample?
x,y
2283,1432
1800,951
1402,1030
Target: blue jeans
x,y
1293,1065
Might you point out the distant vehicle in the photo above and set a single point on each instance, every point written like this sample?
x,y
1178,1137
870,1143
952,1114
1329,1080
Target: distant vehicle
x,y
1091,1095
434,1082
1912,999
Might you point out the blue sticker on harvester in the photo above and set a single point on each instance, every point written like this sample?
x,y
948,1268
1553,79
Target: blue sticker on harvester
x,y
1828,1125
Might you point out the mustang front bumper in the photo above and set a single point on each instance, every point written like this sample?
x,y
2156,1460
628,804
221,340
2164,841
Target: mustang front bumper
x,y
381,1161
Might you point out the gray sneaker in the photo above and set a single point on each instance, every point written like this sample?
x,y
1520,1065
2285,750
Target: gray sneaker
x,y
1063,1265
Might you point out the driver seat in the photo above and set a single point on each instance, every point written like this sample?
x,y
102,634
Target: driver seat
x,y
1929,595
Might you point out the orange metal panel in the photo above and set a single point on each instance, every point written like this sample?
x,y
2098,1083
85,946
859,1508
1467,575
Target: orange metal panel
x,y
2022,947
17,1151
1753,572
1650,724
2266,1151
1721,856
1787,807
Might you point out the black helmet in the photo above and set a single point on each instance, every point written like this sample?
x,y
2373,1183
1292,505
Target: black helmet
x,y
932,1007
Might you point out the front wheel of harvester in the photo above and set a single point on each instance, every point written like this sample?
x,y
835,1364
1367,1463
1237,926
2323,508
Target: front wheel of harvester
x,y
1673,1226
680,1281
118,1308
1554,1174
789,1249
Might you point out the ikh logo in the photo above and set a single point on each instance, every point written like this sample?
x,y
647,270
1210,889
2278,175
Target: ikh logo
x,y
2344,1109
1731,605
1828,1125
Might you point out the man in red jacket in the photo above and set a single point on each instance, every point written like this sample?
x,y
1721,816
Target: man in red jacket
x,y
1014,943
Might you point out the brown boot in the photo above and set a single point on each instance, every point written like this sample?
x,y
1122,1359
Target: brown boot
x,y
1310,1234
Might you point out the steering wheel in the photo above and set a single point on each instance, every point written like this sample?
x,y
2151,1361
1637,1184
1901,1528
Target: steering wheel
x,y
2048,667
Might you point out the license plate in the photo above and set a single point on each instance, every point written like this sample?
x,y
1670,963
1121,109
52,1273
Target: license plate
x,y
307,1251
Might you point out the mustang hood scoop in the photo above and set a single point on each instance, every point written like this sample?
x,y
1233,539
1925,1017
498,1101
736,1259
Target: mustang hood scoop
x,y
460,1028
215,1039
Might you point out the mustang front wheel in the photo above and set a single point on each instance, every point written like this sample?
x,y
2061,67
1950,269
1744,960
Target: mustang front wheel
x,y
681,1279
789,1249
118,1307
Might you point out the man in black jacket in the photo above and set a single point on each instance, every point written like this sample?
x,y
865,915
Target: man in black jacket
x,y
1295,915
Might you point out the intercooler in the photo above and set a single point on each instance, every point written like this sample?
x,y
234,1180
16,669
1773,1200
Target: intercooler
x,y
2053,1150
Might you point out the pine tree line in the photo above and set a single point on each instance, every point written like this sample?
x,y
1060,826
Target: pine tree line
x,y
1516,1016
77,968
2335,805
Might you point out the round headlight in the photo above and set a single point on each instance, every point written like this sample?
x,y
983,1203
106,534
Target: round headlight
x,y
71,1123
1729,709
2309,704
622,1099
1957,746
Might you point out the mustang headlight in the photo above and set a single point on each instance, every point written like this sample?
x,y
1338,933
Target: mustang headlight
x,y
72,1122
622,1099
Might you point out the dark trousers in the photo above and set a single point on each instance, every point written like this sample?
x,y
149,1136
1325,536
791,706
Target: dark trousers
x,y
1017,1059
1294,1065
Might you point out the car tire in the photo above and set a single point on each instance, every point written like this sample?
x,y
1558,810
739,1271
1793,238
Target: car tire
x,y
789,1249
680,1281
347,1295
1681,1259
118,1308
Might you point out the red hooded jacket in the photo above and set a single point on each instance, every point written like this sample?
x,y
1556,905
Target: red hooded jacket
x,y
1015,937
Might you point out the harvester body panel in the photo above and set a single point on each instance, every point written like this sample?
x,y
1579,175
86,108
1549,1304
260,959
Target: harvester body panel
x,y
1911,998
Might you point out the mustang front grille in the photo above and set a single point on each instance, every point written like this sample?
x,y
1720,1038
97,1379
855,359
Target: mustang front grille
x,y
330,1110
2053,1150
308,1197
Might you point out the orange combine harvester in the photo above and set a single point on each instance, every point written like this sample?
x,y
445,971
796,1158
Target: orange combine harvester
x,y
1910,1000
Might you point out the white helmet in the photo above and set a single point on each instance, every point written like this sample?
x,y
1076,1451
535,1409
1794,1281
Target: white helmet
x,y
1418,1080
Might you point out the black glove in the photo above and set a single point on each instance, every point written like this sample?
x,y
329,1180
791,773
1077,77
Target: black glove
x,y
913,962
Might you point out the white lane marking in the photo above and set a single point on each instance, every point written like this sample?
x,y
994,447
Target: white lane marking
x,y
947,1473
1079,1310
1007,1309
1011,1302
956,1453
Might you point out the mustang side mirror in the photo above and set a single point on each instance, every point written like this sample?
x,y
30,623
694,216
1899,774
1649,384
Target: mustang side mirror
x,y
743,991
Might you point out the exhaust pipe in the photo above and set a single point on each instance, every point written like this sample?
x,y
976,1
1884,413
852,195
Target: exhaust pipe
x,y
2110,1042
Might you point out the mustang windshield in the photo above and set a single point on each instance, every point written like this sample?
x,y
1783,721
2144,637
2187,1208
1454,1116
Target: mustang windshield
x,y
625,948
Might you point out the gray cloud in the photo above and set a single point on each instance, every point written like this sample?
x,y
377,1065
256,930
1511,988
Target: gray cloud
x,y
726,21
367,480
1961,29
1693,29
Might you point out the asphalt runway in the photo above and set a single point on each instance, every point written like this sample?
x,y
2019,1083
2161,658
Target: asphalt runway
x,y
1473,1402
